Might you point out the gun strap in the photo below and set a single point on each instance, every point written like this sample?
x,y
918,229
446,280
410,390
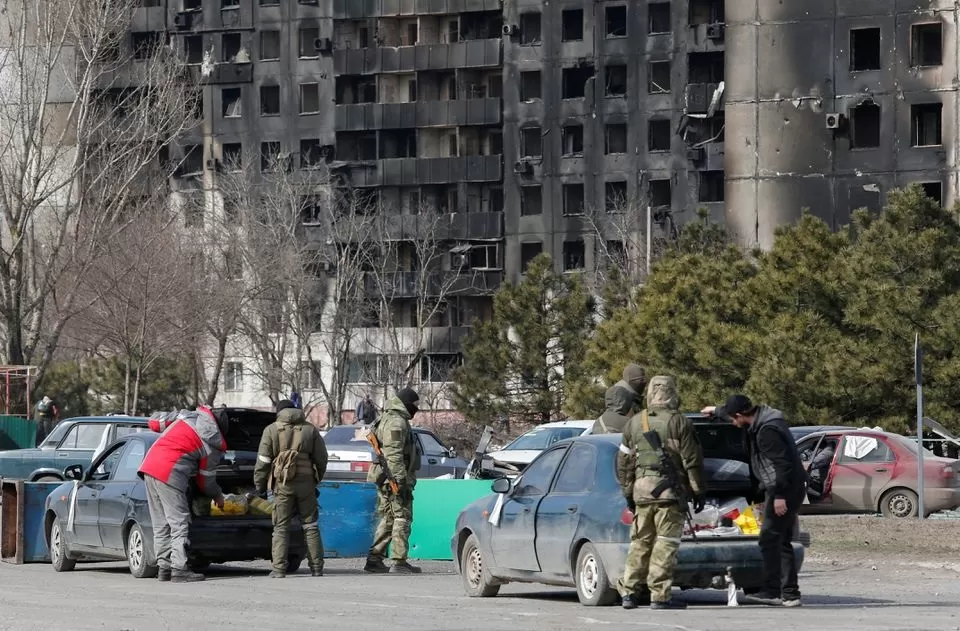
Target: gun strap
x,y
645,421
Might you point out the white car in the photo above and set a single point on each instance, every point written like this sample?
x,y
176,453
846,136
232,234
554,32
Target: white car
x,y
521,452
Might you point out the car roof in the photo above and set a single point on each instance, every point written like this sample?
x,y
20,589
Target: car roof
x,y
116,418
860,431
582,424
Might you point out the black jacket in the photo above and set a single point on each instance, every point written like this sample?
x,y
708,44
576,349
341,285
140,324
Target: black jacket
x,y
774,457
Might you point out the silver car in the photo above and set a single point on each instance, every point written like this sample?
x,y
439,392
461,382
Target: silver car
x,y
350,455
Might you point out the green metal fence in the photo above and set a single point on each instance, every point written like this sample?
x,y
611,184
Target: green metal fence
x,y
17,432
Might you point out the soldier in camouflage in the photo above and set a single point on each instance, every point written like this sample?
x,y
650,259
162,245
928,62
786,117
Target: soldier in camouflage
x,y
658,522
623,399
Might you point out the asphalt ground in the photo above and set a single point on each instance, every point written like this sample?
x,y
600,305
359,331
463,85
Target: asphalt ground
x,y
241,596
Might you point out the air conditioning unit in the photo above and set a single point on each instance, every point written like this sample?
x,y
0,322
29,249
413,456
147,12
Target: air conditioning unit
x,y
511,30
522,167
833,120
696,154
183,20
323,44
715,31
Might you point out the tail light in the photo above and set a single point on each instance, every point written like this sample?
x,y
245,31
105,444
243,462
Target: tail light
x,y
947,472
359,467
626,517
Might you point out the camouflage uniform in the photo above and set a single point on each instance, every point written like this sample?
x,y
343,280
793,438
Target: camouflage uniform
x,y
298,496
658,523
622,401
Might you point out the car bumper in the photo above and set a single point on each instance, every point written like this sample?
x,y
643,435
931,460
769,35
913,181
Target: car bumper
x,y
345,476
938,499
225,539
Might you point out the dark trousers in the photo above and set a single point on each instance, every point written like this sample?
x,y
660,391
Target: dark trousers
x,y
779,562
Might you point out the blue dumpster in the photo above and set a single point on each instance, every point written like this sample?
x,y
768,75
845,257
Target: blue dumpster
x,y
22,538
348,518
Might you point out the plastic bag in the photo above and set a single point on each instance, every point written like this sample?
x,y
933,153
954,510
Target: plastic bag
x,y
260,507
733,508
232,505
747,522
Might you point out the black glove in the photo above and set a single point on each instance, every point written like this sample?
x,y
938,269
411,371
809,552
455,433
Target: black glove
x,y
631,504
699,502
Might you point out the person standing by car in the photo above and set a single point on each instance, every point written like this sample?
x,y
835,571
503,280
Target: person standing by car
x,y
396,438
191,446
291,462
46,417
658,517
623,400
366,411
775,461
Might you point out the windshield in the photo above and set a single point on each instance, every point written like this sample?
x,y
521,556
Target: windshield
x,y
347,436
539,438
56,435
911,445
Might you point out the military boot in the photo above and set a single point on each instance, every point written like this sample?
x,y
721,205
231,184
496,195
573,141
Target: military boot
x,y
164,574
186,576
316,571
278,574
673,603
402,567
641,598
375,566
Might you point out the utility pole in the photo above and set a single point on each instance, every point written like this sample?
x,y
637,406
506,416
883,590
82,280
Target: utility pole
x,y
918,369
649,239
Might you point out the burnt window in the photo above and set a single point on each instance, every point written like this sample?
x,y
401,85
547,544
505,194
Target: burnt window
x,y
660,192
193,49
711,186
658,14
230,102
413,35
572,138
705,67
269,3
530,85
531,142
615,138
308,42
192,160
706,12
192,4
531,200
269,155
232,156
616,252
658,137
574,255
229,4
575,81
933,190
615,196
572,25
573,199
616,20
865,50
269,100
146,44
925,124
865,126
530,28
356,146
495,203
926,44
528,252
230,44
615,80
658,77
269,45
311,153
309,98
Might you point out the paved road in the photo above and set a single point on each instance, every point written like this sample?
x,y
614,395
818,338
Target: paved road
x,y
107,597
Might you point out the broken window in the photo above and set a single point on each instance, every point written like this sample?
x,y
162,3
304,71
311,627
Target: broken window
x,y
530,85
269,100
145,44
193,49
269,155
616,252
616,18
615,138
531,200
269,3
711,186
230,44
658,18
933,190
413,35
231,103
573,199
572,137
660,192
189,5
572,25
229,4
706,12
615,196
926,44
529,28
309,98
658,77
865,51
398,143
706,67
356,146
485,256
308,42
311,153
192,160
865,126
528,252
658,138
575,81
615,80
232,153
926,124
412,91
574,255
269,45
531,142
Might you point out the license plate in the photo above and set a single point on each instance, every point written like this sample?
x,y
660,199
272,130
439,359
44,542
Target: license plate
x,y
338,466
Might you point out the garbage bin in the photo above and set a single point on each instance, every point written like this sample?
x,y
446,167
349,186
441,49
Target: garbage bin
x,y
22,538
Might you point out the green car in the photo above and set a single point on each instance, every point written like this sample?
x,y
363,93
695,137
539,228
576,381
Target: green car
x,y
73,441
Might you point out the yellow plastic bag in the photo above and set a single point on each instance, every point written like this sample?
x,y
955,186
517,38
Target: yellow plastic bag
x,y
261,507
747,522
232,505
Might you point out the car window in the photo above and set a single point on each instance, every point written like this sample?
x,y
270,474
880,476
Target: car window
x,y
431,446
536,479
578,472
346,436
857,449
539,438
84,436
126,430
56,435
130,461
107,464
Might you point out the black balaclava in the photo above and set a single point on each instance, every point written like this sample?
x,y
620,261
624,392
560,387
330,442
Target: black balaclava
x,y
284,404
410,399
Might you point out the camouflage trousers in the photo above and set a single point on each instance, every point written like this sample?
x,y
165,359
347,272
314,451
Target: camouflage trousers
x,y
396,516
652,558
289,501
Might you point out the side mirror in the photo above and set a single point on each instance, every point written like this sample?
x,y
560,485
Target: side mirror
x,y
451,452
73,472
501,485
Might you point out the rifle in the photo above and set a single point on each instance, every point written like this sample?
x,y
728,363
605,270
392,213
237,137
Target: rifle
x,y
671,479
382,461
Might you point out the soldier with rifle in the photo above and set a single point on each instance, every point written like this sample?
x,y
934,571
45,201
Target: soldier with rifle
x,y
660,465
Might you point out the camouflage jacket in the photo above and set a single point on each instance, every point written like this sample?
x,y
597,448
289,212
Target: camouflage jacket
x,y
398,443
621,402
312,458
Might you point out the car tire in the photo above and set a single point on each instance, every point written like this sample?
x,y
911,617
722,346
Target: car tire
x,y
59,552
477,581
48,478
593,585
899,503
294,562
137,554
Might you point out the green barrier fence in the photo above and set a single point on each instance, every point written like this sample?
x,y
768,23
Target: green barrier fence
x,y
436,505
17,432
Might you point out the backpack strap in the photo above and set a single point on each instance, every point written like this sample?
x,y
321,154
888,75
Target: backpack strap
x,y
645,421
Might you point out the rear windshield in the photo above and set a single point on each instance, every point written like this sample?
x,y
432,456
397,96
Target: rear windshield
x,y
910,445
540,438
723,441
346,436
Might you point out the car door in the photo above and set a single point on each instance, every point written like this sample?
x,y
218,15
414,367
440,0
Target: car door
x,y
561,511
861,472
86,502
435,458
512,540
115,498
80,443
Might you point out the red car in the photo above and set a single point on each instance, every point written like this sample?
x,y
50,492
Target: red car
x,y
869,471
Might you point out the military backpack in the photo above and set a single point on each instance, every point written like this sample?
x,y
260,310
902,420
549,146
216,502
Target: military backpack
x,y
285,464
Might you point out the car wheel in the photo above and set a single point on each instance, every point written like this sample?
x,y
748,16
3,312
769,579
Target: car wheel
x,y
477,582
593,586
293,563
899,503
48,478
137,555
59,553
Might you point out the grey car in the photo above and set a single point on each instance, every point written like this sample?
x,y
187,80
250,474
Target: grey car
x,y
351,455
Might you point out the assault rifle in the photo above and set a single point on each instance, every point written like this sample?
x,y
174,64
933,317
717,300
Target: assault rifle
x,y
671,479
385,476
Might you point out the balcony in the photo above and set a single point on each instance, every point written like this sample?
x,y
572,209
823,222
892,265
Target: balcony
x,y
361,9
449,227
223,73
419,171
365,116
446,283
478,53
699,97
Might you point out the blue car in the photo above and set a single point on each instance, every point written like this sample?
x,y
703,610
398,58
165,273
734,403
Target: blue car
x,y
564,522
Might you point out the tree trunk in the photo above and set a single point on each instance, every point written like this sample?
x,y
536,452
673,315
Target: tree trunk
x,y
214,383
135,401
126,385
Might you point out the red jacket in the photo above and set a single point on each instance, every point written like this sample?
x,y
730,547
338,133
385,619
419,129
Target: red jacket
x,y
192,445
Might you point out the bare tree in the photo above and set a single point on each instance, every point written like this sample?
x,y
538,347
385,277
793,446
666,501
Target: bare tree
x,y
82,127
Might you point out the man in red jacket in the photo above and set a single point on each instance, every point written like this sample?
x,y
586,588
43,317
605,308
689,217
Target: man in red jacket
x,y
192,445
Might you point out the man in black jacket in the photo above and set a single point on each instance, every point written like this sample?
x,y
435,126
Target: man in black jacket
x,y
776,463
